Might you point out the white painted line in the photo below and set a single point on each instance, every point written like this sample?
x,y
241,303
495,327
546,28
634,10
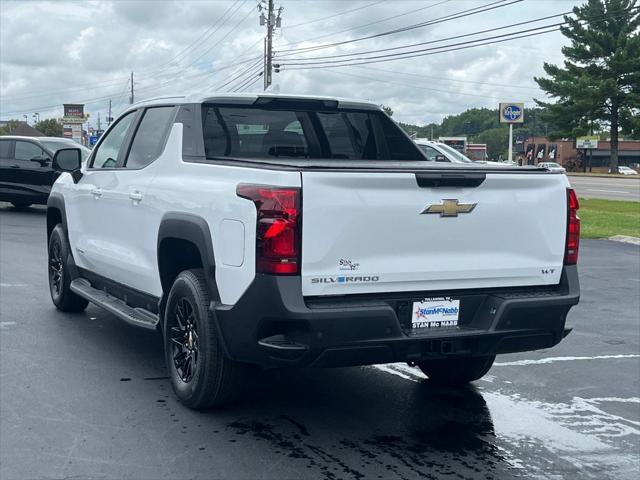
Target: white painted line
x,y
608,191
8,285
4,325
543,361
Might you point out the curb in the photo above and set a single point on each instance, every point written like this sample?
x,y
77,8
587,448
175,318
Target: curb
x,y
604,175
625,239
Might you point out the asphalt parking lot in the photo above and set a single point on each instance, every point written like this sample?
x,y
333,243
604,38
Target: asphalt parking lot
x,y
614,188
86,396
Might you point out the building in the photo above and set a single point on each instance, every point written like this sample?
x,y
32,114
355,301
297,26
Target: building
x,y
564,152
21,128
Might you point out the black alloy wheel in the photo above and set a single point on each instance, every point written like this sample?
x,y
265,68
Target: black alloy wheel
x,y
56,269
184,339
60,274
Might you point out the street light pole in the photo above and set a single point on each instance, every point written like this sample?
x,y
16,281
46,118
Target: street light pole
x,y
510,142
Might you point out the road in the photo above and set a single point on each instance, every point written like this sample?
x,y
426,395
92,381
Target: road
x,y
86,396
607,188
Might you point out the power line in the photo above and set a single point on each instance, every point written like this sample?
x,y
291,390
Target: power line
x,y
207,34
444,49
340,14
430,89
433,50
244,89
351,29
502,27
251,79
448,79
446,18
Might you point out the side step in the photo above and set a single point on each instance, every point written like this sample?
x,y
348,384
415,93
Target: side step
x,y
135,316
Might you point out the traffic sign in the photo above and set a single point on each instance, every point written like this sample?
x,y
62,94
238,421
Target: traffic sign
x,y
511,113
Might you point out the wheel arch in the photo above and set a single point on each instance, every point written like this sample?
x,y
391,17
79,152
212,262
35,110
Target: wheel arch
x,y
190,236
56,213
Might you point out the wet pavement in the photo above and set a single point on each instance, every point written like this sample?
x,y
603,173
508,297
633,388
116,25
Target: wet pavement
x,y
86,396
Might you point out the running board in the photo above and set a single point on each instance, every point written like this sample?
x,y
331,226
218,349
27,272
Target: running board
x,y
135,316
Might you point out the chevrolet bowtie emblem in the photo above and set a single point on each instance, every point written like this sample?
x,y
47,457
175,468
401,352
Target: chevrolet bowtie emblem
x,y
449,208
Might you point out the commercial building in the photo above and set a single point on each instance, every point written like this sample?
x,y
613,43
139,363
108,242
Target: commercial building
x,y
564,152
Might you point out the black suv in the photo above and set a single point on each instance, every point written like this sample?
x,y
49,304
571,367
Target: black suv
x,y
26,175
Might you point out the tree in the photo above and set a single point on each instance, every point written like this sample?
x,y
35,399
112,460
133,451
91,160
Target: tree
x,y
599,85
9,127
50,127
387,109
497,140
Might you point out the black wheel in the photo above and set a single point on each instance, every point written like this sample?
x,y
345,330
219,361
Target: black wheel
x,y
59,280
201,375
456,371
20,205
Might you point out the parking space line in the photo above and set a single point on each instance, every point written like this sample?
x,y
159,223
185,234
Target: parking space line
x,y
543,361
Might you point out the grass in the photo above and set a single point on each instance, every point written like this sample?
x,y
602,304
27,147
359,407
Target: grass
x,y
606,218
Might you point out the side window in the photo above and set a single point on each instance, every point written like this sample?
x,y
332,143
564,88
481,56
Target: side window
x,y
149,140
400,147
27,150
5,148
430,152
106,155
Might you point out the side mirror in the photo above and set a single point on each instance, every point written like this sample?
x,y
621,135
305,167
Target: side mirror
x,y
68,160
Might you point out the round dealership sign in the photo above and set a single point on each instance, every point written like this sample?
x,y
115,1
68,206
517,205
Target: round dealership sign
x,y
511,112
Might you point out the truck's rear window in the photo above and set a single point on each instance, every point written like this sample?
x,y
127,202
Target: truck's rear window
x,y
250,132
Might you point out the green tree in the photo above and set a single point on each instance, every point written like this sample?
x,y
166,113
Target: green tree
x,y
8,128
497,140
50,127
599,85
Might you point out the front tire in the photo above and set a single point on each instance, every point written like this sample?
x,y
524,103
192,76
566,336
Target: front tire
x,y
59,279
201,375
456,371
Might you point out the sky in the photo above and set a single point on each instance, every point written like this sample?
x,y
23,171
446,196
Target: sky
x,y
57,52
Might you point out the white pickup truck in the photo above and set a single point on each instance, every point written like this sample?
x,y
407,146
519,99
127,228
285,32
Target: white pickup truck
x,y
278,231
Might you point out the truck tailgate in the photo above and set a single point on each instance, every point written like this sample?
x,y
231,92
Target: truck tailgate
x,y
367,232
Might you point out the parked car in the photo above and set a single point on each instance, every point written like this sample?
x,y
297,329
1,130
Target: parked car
x,y
272,231
26,173
441,152
553,166
624,170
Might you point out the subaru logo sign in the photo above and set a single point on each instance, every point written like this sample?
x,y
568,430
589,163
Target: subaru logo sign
x,y
511,113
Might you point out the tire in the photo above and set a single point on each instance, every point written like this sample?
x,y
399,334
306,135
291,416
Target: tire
x,y
201,375
20,206
456,371
59,279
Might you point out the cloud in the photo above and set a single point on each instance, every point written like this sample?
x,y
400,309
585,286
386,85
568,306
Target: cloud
x,y
61,52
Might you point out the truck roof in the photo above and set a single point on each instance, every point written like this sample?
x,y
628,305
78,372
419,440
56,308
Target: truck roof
x,y
248,99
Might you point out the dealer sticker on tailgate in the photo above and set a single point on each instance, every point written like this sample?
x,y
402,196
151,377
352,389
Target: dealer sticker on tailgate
x,y
435,312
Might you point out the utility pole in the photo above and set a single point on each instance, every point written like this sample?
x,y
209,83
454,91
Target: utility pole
x,y
109,117
272,21
131,98
98,120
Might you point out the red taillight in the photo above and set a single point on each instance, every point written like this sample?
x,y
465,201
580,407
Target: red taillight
x,y
572,244
278,227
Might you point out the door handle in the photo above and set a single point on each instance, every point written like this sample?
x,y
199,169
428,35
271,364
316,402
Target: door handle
x,y
136,196
15,166
96,192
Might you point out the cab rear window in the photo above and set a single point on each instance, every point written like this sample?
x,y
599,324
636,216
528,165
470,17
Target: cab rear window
x,y
258,132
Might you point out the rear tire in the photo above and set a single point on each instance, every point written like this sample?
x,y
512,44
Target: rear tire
x,y
20,206
201,375
59,279
456,371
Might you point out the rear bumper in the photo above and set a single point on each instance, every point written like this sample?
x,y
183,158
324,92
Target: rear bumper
x,y
273,325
